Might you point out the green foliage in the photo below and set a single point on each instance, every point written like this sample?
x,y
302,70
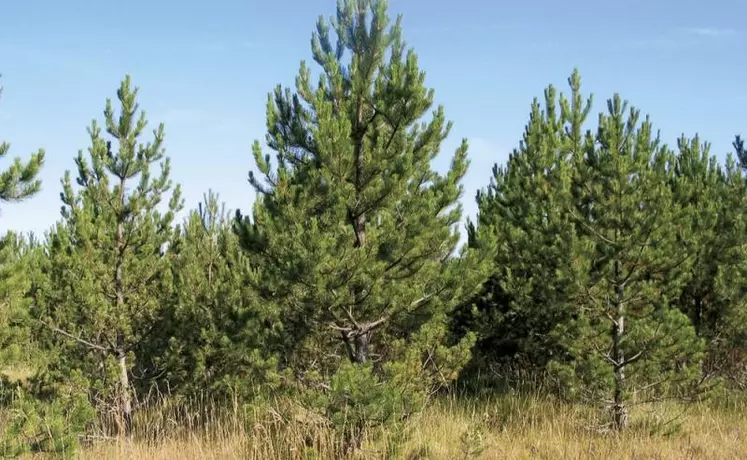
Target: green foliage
x,y
50,426
353,235
358,402
222,336
472,442
626,341
714,298
592,253
601,258
524,211
19,181
107,271
15,280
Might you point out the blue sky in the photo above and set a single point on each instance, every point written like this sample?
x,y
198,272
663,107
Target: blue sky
x,y
204,69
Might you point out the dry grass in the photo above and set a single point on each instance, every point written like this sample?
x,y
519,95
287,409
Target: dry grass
x,y
17,373
510,427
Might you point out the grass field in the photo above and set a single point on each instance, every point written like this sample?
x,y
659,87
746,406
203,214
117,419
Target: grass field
x,y
506,427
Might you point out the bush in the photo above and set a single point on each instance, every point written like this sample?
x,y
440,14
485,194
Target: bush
x,y
52,426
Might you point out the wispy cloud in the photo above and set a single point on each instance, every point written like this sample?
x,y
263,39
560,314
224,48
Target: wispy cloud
x,y
686,36
711,32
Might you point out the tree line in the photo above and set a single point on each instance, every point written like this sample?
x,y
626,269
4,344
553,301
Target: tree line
x,y
602,260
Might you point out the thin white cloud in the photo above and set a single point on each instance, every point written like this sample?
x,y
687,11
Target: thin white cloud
x,y
711,32
685,36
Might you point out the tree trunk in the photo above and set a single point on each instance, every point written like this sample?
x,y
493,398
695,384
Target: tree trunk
x,y
360,231
619,411
358,350
361,347
698,314
125,399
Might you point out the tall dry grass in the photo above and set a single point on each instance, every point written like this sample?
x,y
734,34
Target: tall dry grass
x,y
504,427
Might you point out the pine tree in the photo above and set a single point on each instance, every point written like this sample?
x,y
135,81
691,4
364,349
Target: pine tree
x,y
16,267
353,232
107,273
222,337
20,181
699,187
626,341
17,183
712,298
525,210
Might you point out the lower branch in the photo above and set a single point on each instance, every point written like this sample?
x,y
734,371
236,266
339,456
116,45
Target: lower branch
x,y
80,340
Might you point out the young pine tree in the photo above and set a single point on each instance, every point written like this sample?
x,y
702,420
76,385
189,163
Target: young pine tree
x,y
16,272
699,188
525,210
627,343
713,298
353,233
222,338
108,275
17,183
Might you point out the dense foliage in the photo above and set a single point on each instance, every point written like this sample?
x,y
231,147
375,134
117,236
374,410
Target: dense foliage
x,y
602,261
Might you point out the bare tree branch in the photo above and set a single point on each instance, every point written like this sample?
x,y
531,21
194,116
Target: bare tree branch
x,y
77,339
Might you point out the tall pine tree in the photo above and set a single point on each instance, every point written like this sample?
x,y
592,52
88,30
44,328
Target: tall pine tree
x,y
353,233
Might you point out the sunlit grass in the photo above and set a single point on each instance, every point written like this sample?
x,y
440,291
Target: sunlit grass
x,y
505,427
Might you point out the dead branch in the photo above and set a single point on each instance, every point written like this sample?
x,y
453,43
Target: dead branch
x,y
77,339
